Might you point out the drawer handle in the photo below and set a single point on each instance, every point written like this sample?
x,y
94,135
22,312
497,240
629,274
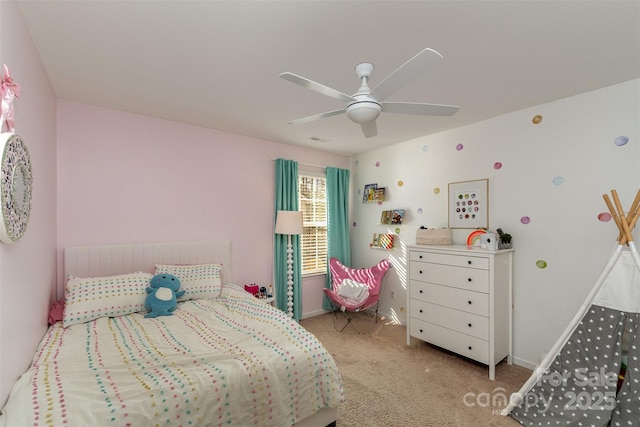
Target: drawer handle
x,y
421,331
469,324
420,272
469,279
470,348
421,292
420,256
469,262
470,302
421,312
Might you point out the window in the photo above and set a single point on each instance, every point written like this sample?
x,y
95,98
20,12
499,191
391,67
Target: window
x,y
313,204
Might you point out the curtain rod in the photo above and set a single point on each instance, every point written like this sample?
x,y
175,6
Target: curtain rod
x,y
306,164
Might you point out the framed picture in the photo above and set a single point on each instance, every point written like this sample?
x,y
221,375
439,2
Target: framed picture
x,y
469,204
379,194
397,216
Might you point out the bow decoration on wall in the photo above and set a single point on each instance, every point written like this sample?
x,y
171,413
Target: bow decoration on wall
x,y
10,90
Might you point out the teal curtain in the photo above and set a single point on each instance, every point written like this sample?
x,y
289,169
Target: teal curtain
x,y
338,241
286,200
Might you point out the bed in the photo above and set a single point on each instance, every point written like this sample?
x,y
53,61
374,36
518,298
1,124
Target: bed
x,y
223,358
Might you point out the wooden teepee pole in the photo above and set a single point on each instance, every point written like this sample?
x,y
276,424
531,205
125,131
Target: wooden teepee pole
x,y
614,215
624,223
634,212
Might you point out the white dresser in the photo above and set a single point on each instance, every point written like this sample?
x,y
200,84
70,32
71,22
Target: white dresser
x,y
459,298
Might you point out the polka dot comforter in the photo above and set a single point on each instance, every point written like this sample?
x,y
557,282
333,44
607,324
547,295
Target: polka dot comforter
x,y
232,360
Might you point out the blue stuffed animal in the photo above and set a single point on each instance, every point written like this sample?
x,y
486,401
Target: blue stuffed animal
x,y
162,295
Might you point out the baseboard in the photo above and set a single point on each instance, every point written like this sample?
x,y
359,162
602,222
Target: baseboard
x,y
321,311
313,313
524,363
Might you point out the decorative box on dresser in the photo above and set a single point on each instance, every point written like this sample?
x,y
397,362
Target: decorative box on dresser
x,y
459,298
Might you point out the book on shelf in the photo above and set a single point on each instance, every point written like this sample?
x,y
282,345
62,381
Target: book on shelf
x,y
392,216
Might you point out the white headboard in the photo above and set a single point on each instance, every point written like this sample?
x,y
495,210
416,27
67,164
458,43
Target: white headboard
x,y
96,261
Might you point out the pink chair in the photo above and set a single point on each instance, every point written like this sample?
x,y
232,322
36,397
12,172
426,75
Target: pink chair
x,y
355,290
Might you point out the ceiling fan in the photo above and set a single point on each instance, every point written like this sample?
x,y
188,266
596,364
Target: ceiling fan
x,y
365,106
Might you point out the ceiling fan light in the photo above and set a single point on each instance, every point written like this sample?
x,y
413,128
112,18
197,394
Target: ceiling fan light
x,y
364,112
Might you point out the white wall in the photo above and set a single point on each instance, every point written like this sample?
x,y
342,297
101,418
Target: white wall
x,y
27,267
575,141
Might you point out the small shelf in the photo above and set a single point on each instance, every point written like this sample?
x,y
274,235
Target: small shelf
x,y
373,194
386,241
381,249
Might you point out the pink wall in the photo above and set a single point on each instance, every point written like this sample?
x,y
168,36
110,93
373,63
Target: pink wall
x,y
28,267
128,178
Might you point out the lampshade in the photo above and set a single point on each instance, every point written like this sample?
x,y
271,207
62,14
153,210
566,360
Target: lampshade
x,y
289,222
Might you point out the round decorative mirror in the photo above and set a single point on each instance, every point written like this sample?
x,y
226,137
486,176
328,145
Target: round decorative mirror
x,y
15,188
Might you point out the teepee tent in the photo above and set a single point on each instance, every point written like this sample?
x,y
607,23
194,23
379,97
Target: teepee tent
x,y
591,376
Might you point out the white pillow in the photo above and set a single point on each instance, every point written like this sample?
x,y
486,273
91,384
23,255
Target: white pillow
x,y
200,281
89,298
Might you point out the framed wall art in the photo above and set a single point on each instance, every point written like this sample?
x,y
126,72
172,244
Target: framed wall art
x,y
469,204
16,183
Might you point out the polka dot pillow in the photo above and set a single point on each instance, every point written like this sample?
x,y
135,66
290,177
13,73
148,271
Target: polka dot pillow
x,y
89,298
200,281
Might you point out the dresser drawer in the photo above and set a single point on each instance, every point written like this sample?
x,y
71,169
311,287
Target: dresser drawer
x,y
459,277
459,299
465,345
449,259
467,323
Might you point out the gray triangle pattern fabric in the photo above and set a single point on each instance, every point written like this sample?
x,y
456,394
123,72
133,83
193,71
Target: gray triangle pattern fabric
x,y
579,387
627,412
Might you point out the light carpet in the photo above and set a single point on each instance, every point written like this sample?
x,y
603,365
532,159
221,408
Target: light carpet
x,y
388,383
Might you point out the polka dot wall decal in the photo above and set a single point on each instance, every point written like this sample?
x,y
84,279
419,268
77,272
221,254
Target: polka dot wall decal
x,y
541,263
355,223
525,220
558,180
425,148
436,190
357,162
459,147
379,202
377,164
621,140
397,230
400,183
359,191
497,165
604,217
536,119
419,211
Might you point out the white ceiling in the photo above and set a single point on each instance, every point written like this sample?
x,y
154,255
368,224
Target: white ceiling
x,y
216,63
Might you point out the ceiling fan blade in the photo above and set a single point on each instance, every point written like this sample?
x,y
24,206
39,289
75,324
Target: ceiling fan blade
x,y
369,129
317,87
407,73
418,108
316,117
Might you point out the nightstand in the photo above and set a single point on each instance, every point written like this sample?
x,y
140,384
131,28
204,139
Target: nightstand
x,y
269,300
